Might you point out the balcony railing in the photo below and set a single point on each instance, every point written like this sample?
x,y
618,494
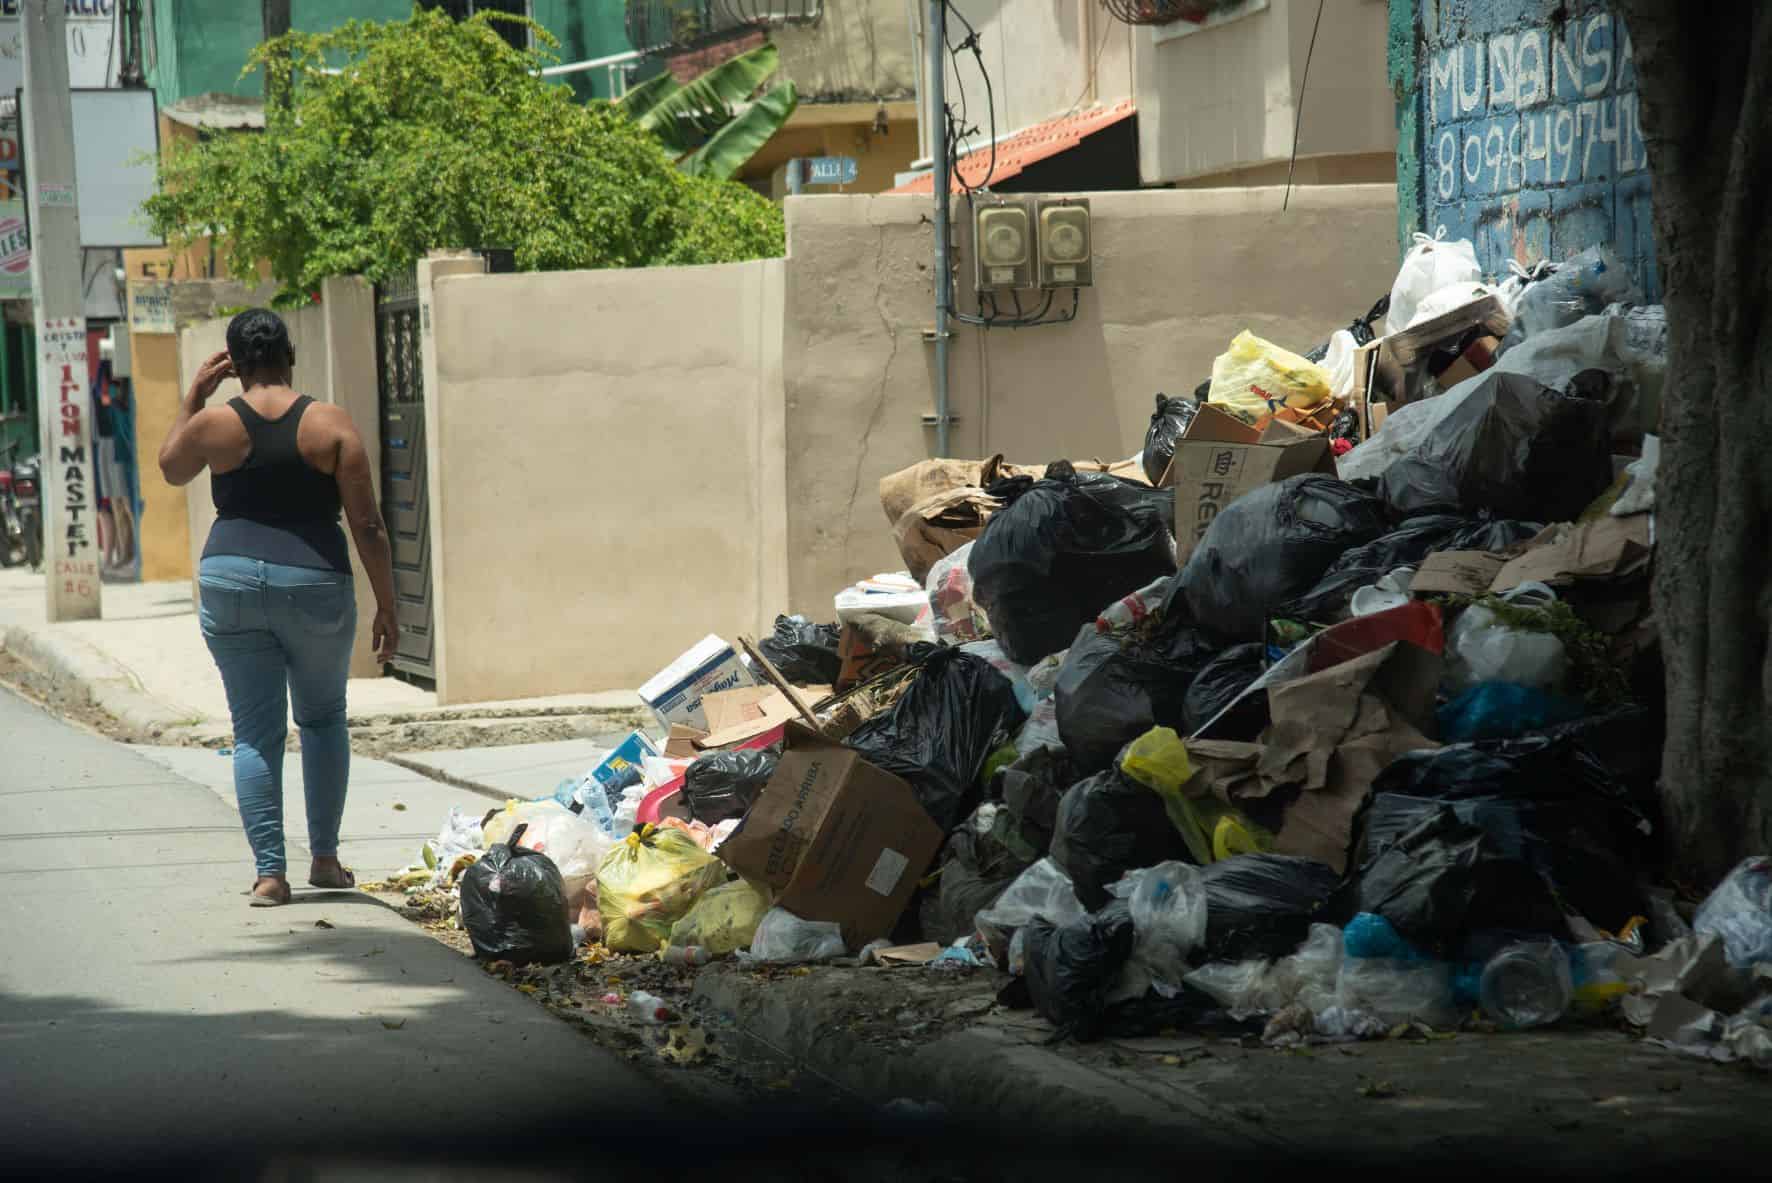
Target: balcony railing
x,y
658,25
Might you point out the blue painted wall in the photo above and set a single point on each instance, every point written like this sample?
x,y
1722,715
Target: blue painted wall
x,y
1525,134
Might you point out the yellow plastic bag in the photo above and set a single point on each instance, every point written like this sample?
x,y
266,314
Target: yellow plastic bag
x,y
1254,377
650,882
723,921
1158,760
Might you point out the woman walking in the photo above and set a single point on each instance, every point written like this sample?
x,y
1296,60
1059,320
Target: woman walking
x,y
278,610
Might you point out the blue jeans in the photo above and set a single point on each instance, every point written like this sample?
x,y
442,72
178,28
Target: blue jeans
x,y
282,634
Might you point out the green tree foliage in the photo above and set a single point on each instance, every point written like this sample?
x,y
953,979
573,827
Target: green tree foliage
x,y
702,122
434,134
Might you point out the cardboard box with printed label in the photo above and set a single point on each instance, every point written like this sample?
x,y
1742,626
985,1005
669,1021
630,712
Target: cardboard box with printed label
x,y
675,692
835,838
1221,458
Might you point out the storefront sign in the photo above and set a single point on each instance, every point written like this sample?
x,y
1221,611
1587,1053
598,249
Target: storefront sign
x,y
150,308
70,525
92,56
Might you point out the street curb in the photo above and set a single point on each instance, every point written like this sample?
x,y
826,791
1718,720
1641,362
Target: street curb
x,y
83,673
983,1075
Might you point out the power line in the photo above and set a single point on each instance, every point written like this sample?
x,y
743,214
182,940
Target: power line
x,y
1298,120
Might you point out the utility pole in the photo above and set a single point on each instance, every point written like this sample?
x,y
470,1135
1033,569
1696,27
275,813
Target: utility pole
x,y
70,550
944,243
275,16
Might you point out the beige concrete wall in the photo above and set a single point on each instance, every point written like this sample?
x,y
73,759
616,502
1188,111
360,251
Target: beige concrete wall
x,y
1225,98
334,362
609,484
1044,58
859,49
164,528
1177,275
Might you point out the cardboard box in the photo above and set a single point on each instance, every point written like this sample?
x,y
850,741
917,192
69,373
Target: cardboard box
x,y
621,768
835,838
861,660
1477,357
675,692
1221,458
740,715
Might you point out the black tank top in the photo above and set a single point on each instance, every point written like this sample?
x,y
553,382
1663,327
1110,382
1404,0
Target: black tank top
x,y
276,506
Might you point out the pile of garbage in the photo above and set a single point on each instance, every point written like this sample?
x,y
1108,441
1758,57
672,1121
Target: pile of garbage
x,y
1335,708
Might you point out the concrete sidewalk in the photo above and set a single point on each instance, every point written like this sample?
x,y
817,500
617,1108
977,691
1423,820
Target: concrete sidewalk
x,y
144,1008
146,666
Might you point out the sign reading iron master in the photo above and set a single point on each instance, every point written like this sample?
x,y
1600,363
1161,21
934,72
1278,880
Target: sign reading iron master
x,y
831,170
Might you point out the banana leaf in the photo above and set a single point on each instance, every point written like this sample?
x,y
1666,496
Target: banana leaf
x,y
728,149
683,116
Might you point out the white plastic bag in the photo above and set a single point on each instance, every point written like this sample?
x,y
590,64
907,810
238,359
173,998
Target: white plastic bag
x,y
1482,649
992,652
1339,363
783,938
1740,912
1639,495
1451,298
577,847
958,618
1041,729
1431,264
459,839
1041,890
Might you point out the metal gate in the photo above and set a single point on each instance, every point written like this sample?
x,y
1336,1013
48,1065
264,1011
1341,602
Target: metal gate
x,y
405,496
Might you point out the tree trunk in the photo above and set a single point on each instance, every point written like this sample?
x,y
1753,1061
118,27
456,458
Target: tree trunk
x,y
1705,86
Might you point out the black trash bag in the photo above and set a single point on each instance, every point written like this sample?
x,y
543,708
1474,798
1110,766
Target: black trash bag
x,y
1030,790
1066,549
1551,837
1261,905
1070,968
1361,329
1406,546
975,870
1217,686
1110,824
956,712
721,785
1168,424
1552,765
1514,448
1115,687
1446,879
804,653
513,905
1271,544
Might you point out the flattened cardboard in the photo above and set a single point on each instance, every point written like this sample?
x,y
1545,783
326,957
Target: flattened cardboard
x,y
680,744
764,715
1605,548
729,708
835,838
1221,458
1457,573
1333,732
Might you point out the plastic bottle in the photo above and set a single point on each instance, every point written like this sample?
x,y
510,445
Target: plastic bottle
x,y
648,1008
1528,985
690,955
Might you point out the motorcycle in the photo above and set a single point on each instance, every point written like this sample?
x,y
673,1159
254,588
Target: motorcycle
x,y
21,516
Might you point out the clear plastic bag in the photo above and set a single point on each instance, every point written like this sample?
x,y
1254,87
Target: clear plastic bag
x,y
1579,287
455,848
1528,985
1041,729
958,619
1041,890
1246,988
1430,265
1397,991
1740,912
1168,904
1480,648
783,938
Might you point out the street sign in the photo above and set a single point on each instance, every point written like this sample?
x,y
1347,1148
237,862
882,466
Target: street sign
x,y
831,170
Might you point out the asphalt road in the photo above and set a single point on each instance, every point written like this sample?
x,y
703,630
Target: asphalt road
x,y
148,1014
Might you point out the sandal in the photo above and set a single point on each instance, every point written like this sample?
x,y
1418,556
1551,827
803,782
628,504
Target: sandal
x,y
254,899
341,880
